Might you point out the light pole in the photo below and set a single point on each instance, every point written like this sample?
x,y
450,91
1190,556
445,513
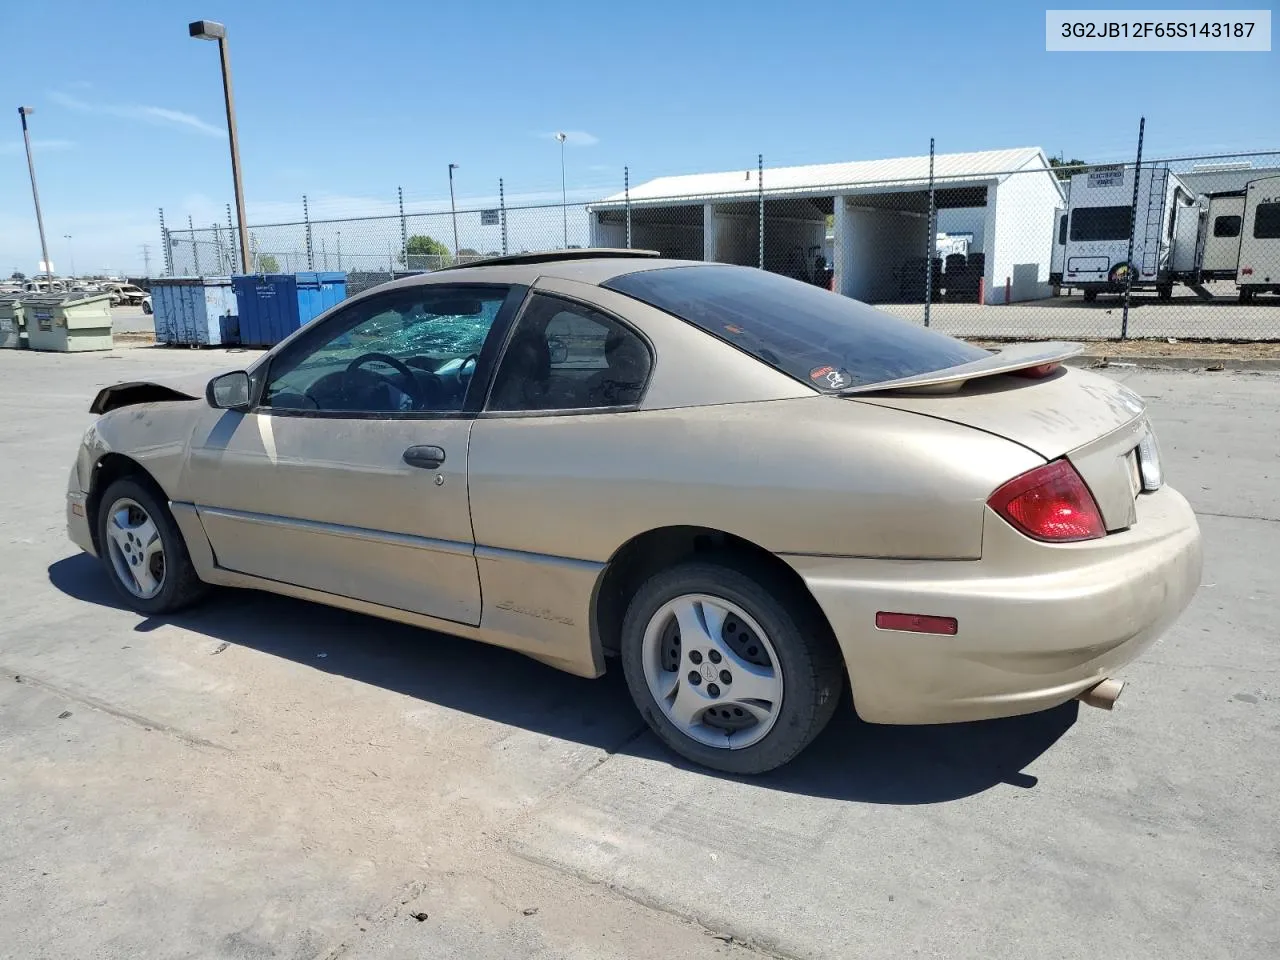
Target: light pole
x,y
454,210
212,30
564,200
71,254
25,112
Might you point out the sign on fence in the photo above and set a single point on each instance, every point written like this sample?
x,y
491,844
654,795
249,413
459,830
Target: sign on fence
x,y
488,218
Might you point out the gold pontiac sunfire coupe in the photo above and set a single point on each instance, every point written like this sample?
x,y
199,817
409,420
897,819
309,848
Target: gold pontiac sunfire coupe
x,y
747,489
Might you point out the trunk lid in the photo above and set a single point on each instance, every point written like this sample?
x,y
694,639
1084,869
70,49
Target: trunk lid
x,y
1093,421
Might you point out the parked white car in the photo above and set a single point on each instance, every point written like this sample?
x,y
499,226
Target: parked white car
x,y
126,294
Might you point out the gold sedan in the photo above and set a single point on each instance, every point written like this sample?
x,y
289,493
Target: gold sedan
x,y
748,490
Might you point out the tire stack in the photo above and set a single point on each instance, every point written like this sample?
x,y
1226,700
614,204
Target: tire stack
x,y
911,280
963,277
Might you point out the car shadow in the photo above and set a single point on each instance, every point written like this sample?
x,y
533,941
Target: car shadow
x,y
851,760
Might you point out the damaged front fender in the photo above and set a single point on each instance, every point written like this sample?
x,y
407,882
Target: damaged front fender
x,y
135,392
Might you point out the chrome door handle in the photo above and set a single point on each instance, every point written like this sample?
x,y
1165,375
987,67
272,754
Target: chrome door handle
x,y
428,458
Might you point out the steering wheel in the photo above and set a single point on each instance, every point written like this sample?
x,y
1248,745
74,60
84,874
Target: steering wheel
x,y
471,358
406,382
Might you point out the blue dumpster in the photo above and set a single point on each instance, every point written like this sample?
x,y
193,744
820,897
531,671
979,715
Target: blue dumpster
x,y
273,305
195,310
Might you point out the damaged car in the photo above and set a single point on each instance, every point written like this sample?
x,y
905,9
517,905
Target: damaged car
x,y
749,494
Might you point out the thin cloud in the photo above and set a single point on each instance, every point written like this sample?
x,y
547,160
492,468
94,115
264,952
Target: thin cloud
x,y
13,147
157,116
575,138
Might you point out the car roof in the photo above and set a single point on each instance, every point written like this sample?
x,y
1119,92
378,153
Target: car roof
x,y
585,266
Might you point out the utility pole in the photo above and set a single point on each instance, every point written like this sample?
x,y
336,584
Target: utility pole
x,y
932,245
195,247
564,197
212,30
146,259
25,112
454,210
168,246
1133,225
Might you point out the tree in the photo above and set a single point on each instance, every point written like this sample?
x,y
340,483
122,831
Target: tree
x,y
420,247
268,264
1064,169
18,275
468,252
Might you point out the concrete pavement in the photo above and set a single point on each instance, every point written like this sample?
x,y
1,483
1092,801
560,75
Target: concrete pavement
x,y
261,777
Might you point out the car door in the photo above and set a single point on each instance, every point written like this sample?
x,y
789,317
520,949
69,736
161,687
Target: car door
x,y
349,474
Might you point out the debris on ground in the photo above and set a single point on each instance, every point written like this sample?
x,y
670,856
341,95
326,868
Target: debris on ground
x,y
420,916
64,714
219,648
529,911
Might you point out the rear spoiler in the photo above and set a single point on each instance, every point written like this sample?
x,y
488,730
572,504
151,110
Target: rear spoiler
x,y
1029,359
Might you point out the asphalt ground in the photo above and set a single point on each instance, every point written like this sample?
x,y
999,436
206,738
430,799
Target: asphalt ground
x,y
263,777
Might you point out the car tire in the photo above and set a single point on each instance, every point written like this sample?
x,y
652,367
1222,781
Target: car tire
x,y
143,551
787,666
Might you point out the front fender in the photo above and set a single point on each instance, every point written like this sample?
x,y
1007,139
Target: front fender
x,y
154,435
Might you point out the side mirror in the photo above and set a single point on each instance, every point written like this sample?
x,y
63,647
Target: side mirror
x,y
558,348
230,391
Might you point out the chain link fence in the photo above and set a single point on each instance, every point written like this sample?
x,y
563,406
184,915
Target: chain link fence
x,y
1000,245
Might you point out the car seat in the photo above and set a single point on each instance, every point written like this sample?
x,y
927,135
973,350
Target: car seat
x,y
620,383
524,374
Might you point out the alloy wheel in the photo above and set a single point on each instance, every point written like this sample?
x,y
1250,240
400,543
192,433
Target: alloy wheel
x,y
713,671
135,548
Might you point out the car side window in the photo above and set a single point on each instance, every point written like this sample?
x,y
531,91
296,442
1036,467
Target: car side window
x,y
410,350
566,356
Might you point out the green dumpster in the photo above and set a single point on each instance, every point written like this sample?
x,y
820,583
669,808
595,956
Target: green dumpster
x,y
13,335
68,322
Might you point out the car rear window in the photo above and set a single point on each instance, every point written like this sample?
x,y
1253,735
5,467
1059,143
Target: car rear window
x,y
823,339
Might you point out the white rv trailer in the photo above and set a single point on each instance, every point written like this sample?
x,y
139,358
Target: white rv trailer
x,y
1058,254
1220,235
1259,266
1099,218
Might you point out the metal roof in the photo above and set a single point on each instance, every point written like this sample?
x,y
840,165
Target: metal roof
x,y
826,178
1226,178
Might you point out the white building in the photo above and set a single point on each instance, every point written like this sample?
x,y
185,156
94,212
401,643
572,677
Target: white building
x,y
1004,199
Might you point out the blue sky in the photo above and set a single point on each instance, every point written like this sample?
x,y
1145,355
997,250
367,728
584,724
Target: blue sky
x,y
346,101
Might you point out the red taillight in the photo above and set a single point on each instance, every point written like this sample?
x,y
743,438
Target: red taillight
x,y
1246,271
1038,372
1050,503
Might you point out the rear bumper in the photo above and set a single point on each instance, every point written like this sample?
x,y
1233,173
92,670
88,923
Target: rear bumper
x,y
1037,624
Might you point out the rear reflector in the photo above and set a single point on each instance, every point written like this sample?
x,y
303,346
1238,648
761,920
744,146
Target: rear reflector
x,y
1050,503
916,623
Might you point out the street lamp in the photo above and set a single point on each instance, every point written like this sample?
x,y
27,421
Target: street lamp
x,y
454,210
212,30
25,112
71,254
564,201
